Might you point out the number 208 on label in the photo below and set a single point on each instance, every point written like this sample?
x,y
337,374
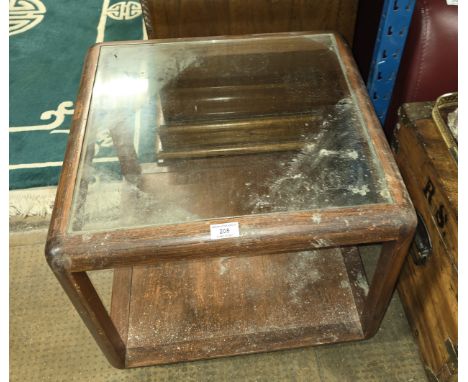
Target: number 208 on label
x,y
224,231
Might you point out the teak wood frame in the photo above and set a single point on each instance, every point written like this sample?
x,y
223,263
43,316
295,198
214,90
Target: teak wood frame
x,y
70,255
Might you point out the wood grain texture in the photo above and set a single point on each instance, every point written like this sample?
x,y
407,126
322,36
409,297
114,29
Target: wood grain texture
x,y
384,280
430,292
380,144
423,147
260,102
242,136
77,286
259,235
120,247
235,305
264,238
265,81
192,18
358,278
89,306
62,210
120,303
239,131
66,185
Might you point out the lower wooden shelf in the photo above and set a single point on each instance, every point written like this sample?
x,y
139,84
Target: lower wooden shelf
x,y
206,308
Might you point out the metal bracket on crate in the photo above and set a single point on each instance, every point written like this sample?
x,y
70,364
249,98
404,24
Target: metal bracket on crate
x,y
388,49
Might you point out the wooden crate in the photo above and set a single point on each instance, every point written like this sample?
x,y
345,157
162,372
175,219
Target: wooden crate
x,y
428,287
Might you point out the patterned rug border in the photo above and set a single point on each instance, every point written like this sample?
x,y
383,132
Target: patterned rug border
x,y
37,202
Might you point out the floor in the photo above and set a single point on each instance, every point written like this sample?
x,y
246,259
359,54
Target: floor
x,y
49,342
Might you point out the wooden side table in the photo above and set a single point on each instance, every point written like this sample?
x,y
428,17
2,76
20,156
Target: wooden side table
x,y
230,183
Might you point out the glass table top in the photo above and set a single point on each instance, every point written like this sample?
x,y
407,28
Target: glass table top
x,y
194,130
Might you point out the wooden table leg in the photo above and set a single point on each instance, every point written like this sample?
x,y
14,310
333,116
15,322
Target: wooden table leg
x,y
84,297
384,281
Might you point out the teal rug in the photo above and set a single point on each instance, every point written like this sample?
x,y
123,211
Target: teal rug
x,y
48,43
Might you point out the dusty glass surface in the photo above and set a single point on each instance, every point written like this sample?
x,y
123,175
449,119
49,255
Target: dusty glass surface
x,y
188,131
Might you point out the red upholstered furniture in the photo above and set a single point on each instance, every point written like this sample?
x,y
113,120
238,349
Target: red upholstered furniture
x,y
429,67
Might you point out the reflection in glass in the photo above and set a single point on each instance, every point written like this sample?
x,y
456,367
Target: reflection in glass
x,y
187,131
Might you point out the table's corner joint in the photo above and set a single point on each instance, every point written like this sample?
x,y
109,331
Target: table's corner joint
x,y
56,257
